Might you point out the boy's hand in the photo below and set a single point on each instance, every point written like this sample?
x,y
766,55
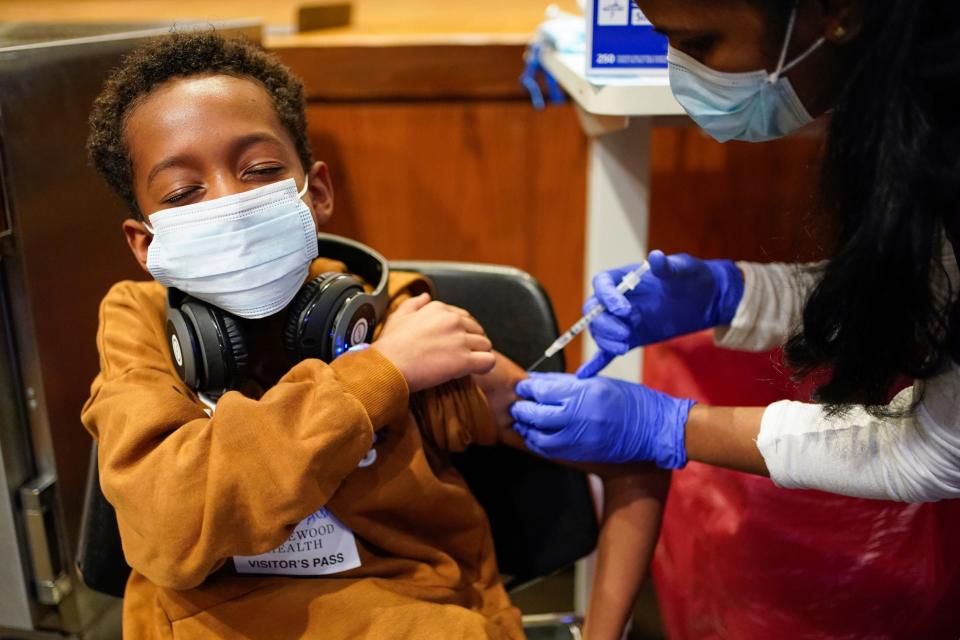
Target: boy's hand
x,y
432,343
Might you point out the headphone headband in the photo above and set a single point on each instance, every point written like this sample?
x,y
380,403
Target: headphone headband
x,y
357,256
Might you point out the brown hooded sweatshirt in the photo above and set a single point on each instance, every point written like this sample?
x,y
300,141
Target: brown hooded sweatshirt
x,y
335,479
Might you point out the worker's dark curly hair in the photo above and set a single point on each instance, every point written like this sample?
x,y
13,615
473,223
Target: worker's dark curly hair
x,y
181,55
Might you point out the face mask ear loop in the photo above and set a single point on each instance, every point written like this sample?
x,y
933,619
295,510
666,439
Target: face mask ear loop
x,y
146,225
786,46
781,68
803,56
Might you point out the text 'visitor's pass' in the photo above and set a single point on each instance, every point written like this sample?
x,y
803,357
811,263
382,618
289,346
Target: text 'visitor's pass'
x,y
319,546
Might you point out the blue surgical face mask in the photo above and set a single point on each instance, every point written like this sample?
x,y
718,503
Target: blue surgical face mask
x,y
246,253
754,106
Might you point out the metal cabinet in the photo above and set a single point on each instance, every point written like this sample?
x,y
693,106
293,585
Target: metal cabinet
x,y
60,250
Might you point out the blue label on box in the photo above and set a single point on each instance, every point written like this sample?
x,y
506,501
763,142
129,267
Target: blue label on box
x,y
621,38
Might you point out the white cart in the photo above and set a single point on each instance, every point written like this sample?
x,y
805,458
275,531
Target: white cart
x,y
617,114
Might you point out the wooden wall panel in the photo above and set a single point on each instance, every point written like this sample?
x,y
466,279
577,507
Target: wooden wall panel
x,y
406,72
495,181
736,200
472,181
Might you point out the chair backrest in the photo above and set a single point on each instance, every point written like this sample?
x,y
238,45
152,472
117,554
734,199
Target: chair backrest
x,y
100,558
541,514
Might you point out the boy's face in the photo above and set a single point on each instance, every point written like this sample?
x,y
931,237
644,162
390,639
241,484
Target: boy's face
x,y
205,137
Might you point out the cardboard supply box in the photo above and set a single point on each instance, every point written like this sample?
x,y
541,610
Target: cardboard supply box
x,y
621,41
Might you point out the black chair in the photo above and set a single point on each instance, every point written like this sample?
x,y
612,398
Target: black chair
x,y
542,515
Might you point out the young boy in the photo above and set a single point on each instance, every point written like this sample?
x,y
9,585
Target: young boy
x,y
316,500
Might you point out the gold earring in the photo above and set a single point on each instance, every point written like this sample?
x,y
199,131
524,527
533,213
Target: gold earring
x,y
840,32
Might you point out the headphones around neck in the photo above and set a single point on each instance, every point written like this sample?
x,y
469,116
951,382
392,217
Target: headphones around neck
x,y
330,314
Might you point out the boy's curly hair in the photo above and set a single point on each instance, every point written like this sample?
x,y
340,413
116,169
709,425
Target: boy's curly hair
x,y
181,55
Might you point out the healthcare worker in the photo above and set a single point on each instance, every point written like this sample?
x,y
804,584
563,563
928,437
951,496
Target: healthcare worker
x,y
881,311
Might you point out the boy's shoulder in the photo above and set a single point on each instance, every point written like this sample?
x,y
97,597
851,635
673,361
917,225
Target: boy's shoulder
x,y
407,283
401,284
133,310
145,295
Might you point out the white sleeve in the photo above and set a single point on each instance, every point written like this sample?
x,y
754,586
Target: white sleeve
x,y
915,458
772,305
775,294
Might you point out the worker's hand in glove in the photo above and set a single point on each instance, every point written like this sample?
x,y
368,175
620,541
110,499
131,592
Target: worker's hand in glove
x,y
600,420
679,295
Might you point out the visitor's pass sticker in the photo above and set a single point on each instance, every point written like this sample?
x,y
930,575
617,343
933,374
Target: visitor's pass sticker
x,y
319,546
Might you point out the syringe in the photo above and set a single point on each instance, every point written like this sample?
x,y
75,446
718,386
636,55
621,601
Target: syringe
x,y
629,282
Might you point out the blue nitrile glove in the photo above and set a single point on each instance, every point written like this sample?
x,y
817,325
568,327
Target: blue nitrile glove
x,y
679,295
600,420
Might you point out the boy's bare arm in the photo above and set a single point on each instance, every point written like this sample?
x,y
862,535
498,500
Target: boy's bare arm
x,y
634,495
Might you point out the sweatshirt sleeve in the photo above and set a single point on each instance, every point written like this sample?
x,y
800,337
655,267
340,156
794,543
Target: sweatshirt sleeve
x,y
775,294
914,458
191,490
772,305
455,415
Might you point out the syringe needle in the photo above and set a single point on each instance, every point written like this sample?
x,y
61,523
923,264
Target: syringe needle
x,y
536,365
629,282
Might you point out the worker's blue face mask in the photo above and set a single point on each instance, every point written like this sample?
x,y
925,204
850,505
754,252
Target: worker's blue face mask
x,y
754,106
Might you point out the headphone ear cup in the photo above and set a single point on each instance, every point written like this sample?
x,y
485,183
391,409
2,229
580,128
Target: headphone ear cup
x,y
309,329
221,345
184,347
291,328
236,344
